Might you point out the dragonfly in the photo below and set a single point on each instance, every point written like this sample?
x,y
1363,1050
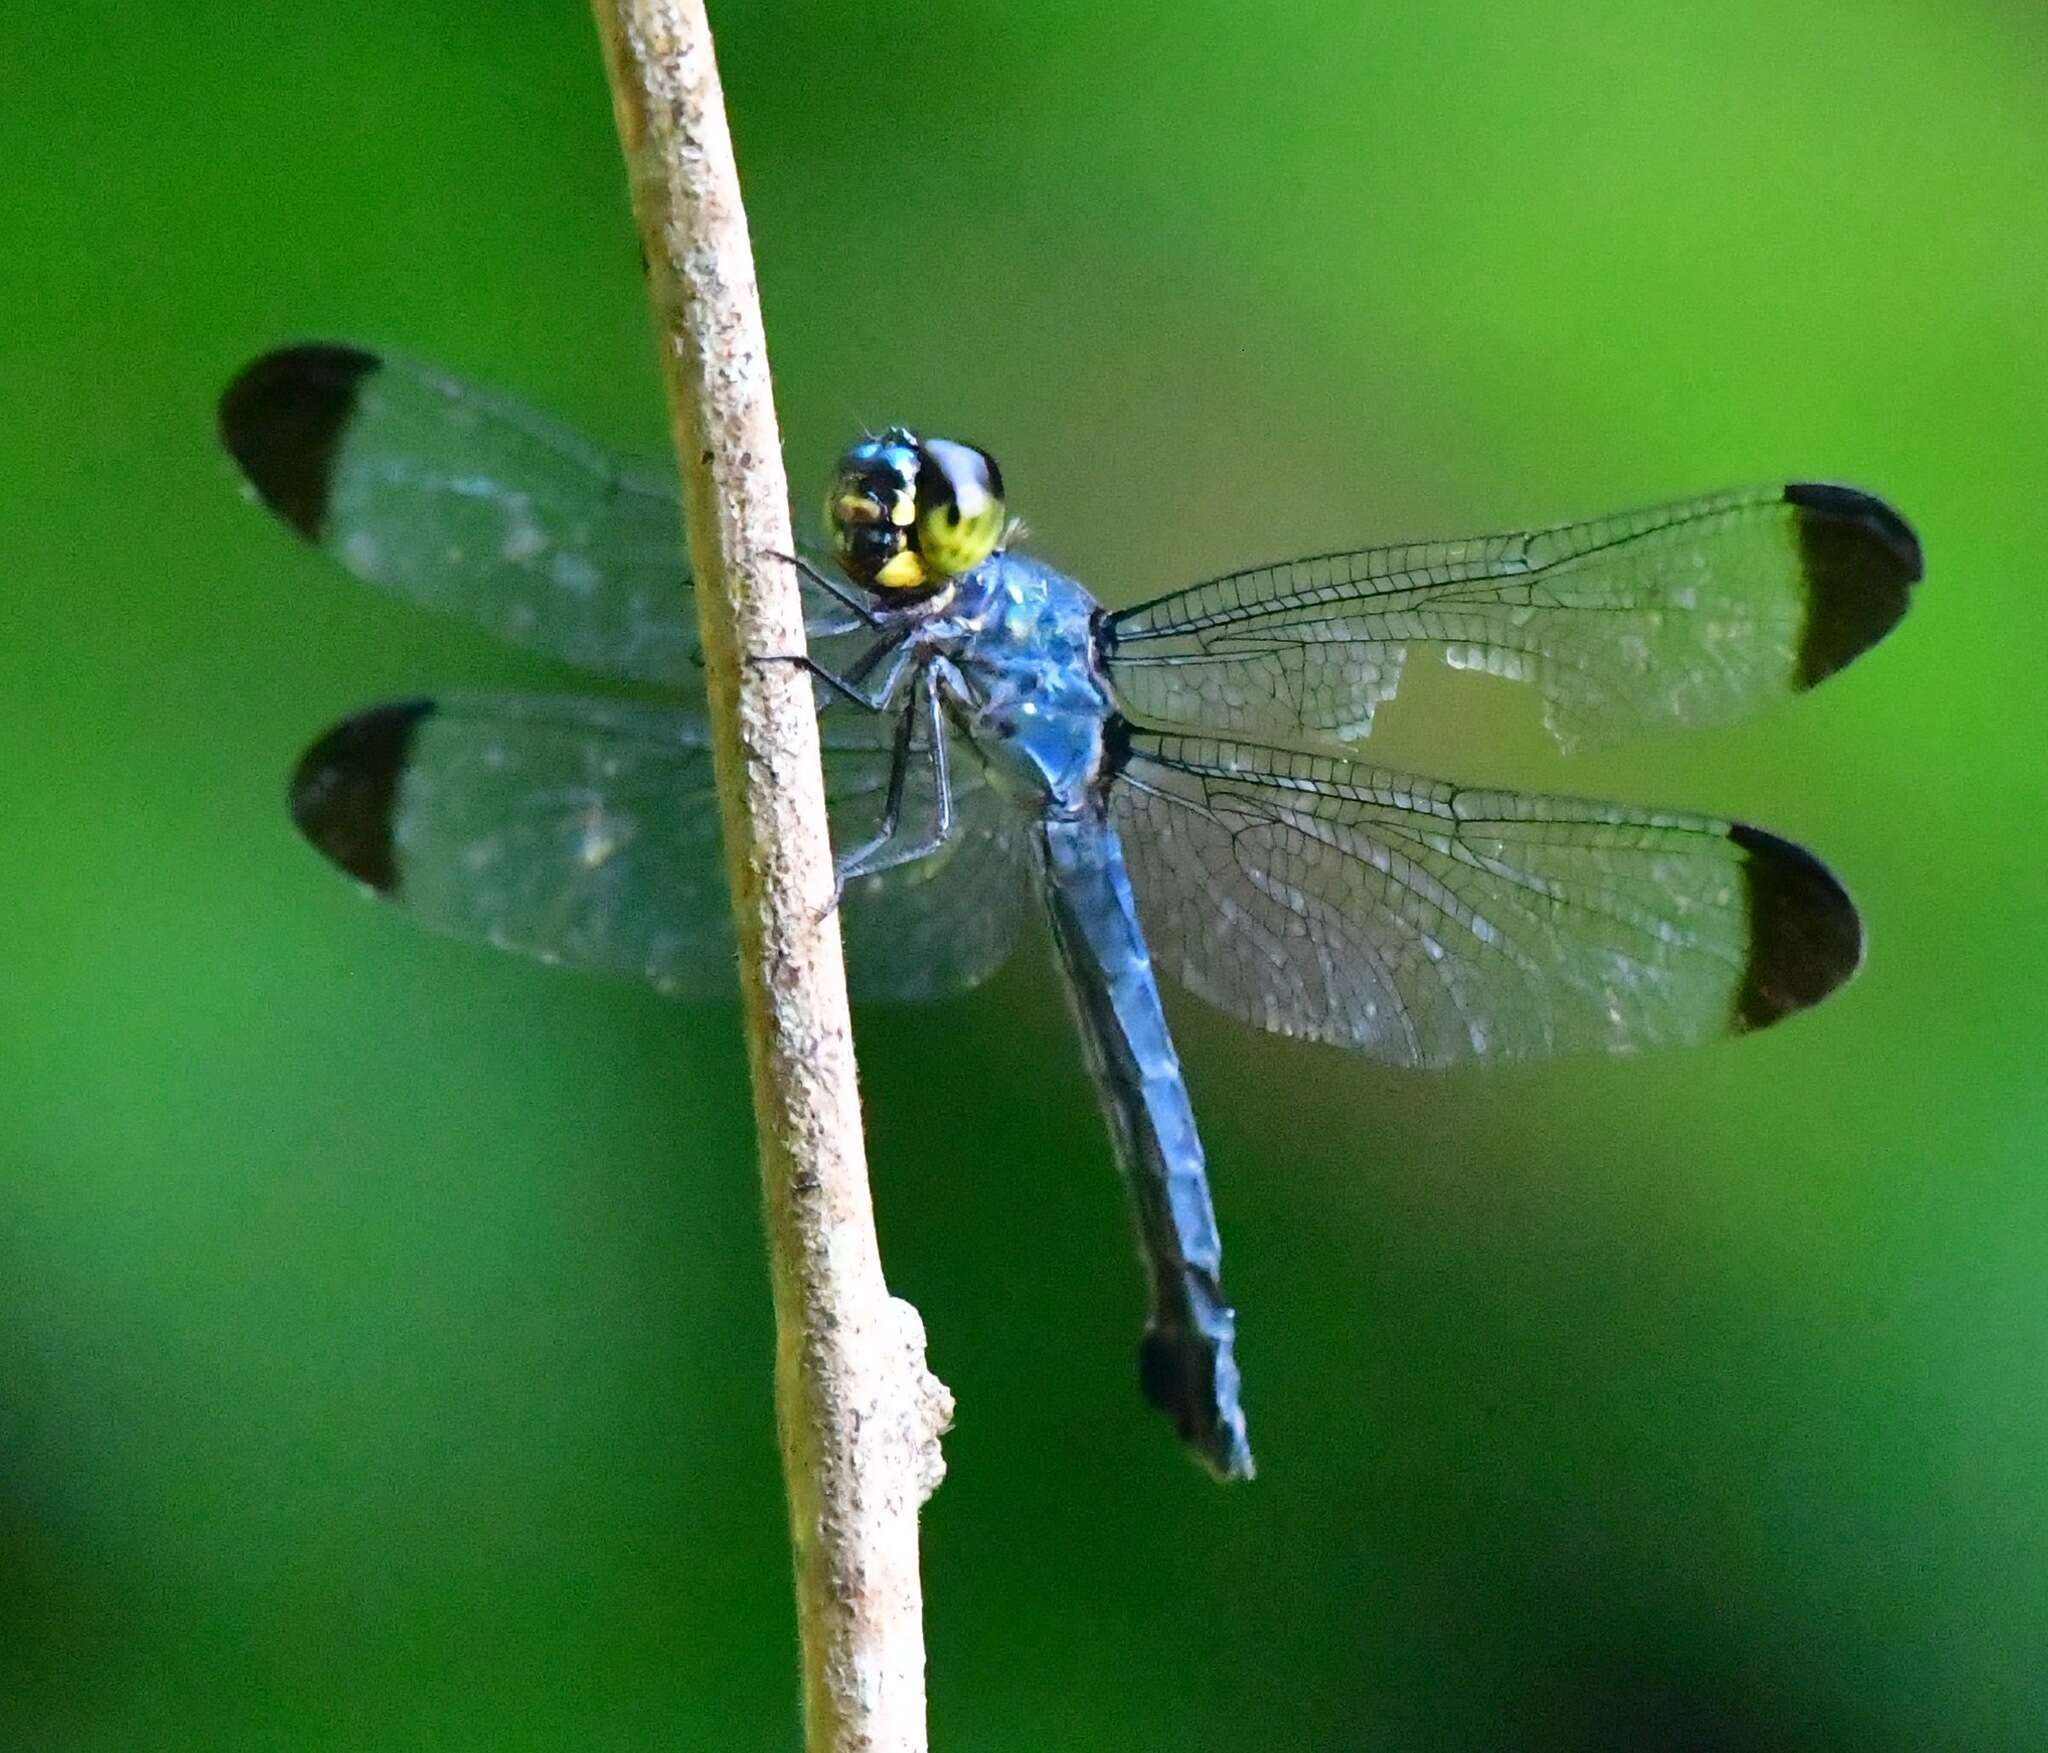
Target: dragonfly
x,y
1173,786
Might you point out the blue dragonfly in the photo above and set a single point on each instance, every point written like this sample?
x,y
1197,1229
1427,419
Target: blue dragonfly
x,y
1174,782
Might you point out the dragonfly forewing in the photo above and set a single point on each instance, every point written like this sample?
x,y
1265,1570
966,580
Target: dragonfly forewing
x,y
1682,615
468,501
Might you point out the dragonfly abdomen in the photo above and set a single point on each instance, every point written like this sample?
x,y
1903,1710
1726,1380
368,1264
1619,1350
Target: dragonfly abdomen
x,y
1186,1363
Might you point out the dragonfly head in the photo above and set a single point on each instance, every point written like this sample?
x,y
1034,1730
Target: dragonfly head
x,y
908,514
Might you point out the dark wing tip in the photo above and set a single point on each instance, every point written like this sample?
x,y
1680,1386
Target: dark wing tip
x,y
344,792
282,418
1861,560
1195,1385
1805,938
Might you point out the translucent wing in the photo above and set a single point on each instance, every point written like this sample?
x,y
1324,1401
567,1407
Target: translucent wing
x,y
1683,615
586,832
464,500
1426,924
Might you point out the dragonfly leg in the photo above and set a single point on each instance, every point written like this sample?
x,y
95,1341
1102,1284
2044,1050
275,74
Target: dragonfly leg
x,y
861,859
846,687
844,595
849,686
883,852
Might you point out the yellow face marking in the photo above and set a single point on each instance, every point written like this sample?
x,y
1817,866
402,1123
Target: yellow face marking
x,y
903,572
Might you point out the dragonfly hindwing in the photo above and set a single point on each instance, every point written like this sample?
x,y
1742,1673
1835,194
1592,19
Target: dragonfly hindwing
x,y
585,831
1429,924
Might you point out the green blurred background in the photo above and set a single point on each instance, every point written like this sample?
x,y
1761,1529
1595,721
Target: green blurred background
x,y
384,1342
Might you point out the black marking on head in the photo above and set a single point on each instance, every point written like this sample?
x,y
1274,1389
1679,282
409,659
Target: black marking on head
x,y
344,792
1177,1374
1861,560
282,418
946,467
1804,936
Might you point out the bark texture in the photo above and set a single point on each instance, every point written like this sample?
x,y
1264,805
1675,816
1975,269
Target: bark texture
x,y
860,1416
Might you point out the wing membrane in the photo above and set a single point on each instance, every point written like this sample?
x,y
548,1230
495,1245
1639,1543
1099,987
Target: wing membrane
x,y
586,832
1686,614
1427,924
468,501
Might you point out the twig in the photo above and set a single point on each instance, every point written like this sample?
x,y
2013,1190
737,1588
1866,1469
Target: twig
x,y
860,1416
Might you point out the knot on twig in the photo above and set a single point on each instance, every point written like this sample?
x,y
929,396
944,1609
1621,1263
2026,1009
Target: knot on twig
x,y
929,1414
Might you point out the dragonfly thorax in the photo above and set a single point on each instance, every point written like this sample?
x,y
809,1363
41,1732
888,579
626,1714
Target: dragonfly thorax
x,y
1033,702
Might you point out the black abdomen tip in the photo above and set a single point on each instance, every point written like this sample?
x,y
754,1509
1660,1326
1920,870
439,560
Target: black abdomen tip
x,y
1805,937
1861,560
1195,1384
344,791
282,419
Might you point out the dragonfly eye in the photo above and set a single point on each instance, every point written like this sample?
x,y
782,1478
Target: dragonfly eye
x,y
907,514
872,511
959,506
